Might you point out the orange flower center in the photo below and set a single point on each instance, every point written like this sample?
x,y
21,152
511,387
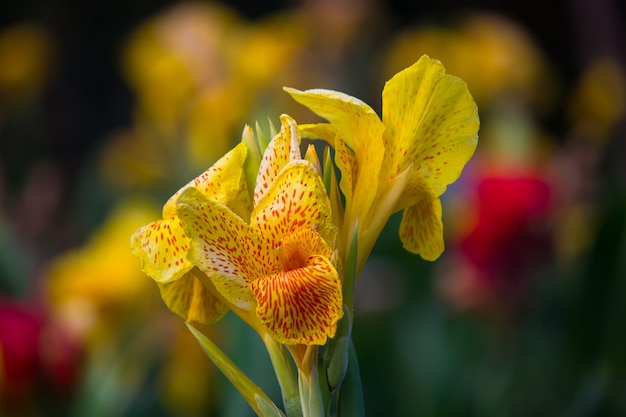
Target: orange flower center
x,y
291,254
295,249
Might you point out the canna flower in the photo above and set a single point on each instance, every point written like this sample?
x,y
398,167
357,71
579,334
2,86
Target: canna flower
x,y
280,264
268,256
428,131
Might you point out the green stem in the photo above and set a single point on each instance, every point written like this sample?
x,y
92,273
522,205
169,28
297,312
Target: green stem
x,y
286,376
311,397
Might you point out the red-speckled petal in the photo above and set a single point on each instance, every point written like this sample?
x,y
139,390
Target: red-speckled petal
x,y
224,247
431,122
162,246
301,306
421,229
296,199
282,149
223,182
192,300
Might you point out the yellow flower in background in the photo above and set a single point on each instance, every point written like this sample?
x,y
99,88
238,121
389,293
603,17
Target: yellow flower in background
x,y
428,131
189,105
177,53
162,245
495,56
598,101
94,285
197,71
188,381
26,56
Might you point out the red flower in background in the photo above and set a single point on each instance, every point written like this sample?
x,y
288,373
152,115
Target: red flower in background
x,y
509,241
36,356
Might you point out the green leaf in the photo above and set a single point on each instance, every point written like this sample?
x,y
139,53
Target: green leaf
x,y
258,400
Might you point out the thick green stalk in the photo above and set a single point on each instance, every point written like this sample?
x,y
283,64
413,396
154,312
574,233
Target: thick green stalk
x,y
286,376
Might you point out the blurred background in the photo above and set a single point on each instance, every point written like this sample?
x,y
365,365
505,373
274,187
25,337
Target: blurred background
x,y
107,108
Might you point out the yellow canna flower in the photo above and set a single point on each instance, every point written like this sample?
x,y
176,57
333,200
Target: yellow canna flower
x,y
428,132
270,260
278,265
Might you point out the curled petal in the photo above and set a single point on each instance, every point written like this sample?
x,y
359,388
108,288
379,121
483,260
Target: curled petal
x,y
162,247
431,121
301,306
189,298
358,122
324,131
224,247
421,229
361,129
296,199
223,182
282,149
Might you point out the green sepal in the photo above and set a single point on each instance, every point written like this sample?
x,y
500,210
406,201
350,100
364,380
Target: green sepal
x,y
253,158
262,139
351,403
336,355
258,400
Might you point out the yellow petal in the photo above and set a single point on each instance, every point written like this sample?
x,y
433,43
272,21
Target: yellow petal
x,y
296,199
223,182
192,300
161,247
324,131
358,122
431,121
421,229
224,247
283,148
361,129
301,306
